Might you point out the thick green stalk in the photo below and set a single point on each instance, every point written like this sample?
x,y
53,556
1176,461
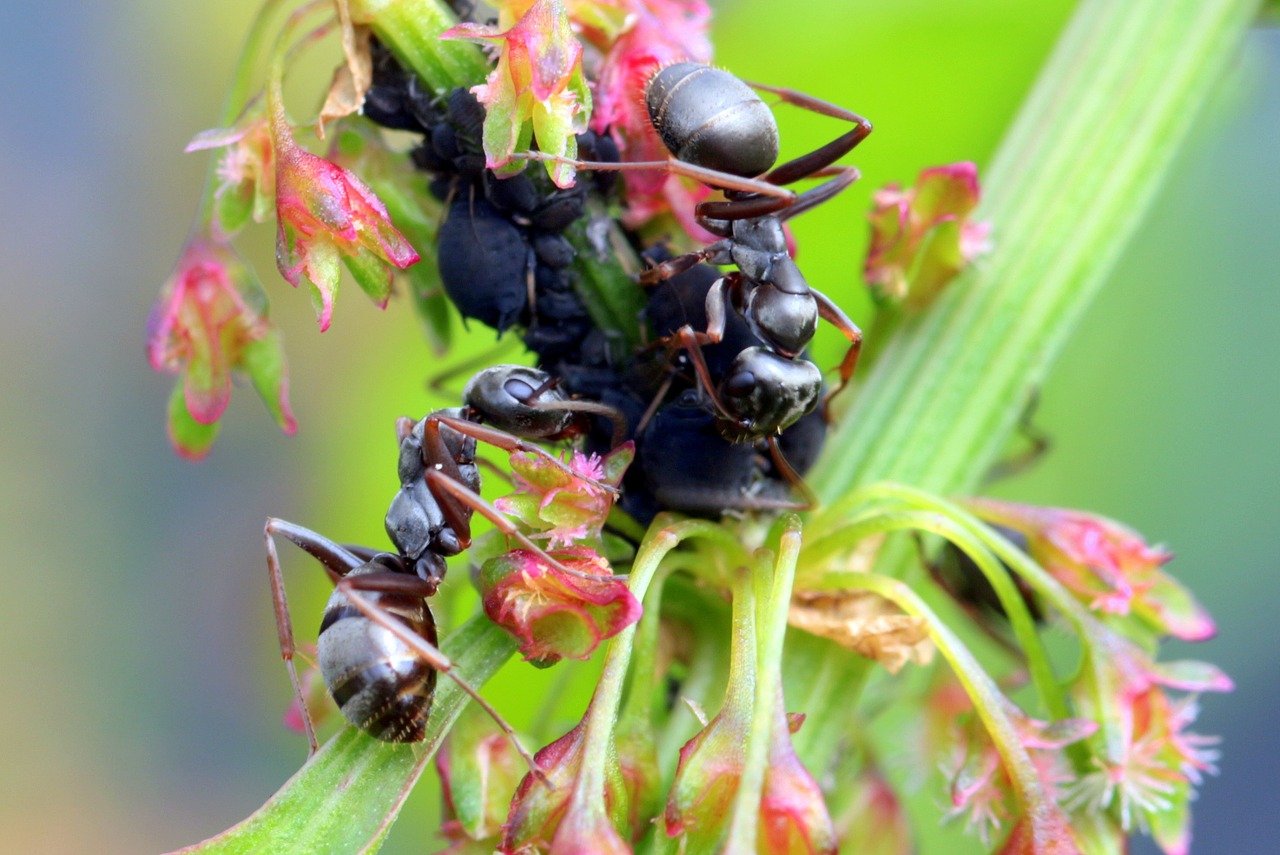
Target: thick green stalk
x,y
1067,189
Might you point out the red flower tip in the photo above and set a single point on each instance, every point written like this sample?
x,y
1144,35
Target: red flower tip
x,y
327,215
707,778
1105,564
210,321
921,237
555,614
793,815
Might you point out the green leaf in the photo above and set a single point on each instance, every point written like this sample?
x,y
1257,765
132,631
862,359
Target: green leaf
x,y
346,796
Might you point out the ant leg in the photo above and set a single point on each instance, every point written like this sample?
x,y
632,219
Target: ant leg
x,y
833,315
675,266
807,164
717,295
496,438
1039,443
453,496
743,209
337,562
791,476
354,589
711,177
690,341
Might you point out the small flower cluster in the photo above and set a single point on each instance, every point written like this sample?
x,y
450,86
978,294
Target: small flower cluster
x,y
563,602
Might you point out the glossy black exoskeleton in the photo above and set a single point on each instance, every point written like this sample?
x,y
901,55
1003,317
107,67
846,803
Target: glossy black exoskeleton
x,y
722,134
377,645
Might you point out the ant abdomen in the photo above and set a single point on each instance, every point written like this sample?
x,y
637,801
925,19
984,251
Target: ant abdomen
x,y
712,119
381,685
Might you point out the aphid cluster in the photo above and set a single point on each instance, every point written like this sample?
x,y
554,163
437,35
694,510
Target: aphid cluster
x,y
722,402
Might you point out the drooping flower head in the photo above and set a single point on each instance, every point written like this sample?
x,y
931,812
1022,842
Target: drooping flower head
x,y
922,237
1107,565
537,91
209,322
328,216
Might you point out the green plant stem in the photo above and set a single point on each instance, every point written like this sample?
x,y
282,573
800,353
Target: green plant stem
x,y
774,606
986,696
597,750
1066,190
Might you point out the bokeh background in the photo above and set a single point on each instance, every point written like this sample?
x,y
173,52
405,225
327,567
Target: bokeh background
x,y
144,690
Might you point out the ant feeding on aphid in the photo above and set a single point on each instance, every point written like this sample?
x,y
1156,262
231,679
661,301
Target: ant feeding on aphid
x,y
377,648
721,133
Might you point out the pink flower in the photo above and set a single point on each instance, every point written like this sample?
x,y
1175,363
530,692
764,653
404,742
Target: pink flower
x,y
1148,763
210,321
565,507
660,32
921,237
556,614
1105,564
537,89
245,179
793,816
327,215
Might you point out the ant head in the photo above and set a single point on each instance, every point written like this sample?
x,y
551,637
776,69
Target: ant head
x,y
519,400
764,393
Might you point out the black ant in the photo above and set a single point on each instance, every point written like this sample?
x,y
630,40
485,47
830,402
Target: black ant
x,y
721,133
377,647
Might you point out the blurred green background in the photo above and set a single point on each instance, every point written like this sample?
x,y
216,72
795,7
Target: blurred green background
x,y
145,690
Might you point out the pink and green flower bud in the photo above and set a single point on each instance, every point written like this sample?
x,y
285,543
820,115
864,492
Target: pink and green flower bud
x,y
479,769
707,777
793,815
327,216
922,237
537,91
542,817
209,322
553,614
1106,565
981,791
244,180
565,507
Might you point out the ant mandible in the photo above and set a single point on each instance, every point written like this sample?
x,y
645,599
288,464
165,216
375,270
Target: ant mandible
x,y
721,133
377,647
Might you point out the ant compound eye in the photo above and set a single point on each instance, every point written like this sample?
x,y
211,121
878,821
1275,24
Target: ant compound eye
x,y
689,398
518,389
740,385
